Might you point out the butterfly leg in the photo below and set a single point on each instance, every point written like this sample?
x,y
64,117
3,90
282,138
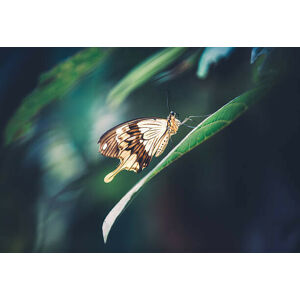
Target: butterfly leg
x,y
193,127
203,116
185,120
190,118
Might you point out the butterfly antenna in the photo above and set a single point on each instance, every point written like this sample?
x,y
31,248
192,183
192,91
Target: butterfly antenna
x,y
168,101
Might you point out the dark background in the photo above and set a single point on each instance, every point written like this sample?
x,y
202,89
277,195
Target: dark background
x,y
237,192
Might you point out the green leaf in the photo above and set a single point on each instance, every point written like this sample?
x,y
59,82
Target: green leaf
x,y
143,72
52,86
205,130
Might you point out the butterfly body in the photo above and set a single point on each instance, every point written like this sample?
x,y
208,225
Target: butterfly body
x,y
135,142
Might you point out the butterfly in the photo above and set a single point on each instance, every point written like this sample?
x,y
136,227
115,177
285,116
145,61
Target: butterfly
x,y
135,142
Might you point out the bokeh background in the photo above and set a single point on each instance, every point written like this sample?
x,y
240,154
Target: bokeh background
x,y
237,192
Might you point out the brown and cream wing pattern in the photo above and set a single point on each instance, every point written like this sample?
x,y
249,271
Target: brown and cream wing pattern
x,y
135,143
108,143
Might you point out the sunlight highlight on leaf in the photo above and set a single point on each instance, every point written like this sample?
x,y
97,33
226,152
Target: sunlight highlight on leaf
x,y
206,129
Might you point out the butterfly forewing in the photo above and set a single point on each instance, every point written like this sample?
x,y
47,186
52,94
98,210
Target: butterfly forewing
x,y
108,144
110,140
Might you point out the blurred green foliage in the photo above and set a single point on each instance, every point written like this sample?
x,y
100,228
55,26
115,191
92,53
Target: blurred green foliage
x,y
52,86
211,56
143,72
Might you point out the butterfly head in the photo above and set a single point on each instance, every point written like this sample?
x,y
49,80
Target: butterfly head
x,y
173,122
172,115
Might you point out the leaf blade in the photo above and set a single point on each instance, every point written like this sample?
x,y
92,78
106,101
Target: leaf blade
x,y
206,129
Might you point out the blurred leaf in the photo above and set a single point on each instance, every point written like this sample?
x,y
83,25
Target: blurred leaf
x,y
52,86
270,63
211,56
205,130
143,72
183,66
258,51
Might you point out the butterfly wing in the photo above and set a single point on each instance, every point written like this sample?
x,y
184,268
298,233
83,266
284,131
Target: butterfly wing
x,y
108,143
135,143
110,140
162,145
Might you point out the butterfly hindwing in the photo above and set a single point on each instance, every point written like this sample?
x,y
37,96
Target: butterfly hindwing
x,y
162,145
